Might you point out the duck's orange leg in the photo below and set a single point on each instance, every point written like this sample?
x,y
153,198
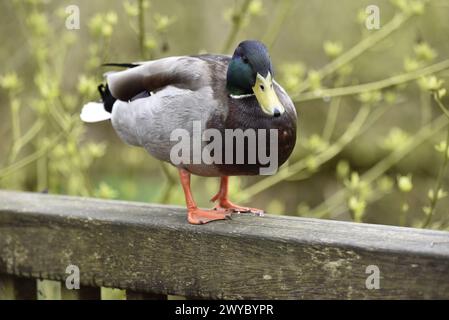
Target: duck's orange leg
x,y
224,203
196,215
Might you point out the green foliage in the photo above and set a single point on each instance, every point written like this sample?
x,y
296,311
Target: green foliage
x,y
112,294
54,140
333,49
405,183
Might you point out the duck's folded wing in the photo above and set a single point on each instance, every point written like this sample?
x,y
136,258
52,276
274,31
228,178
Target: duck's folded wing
x,y
183,72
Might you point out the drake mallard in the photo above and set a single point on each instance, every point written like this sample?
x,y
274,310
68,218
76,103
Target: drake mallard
x,y
150,100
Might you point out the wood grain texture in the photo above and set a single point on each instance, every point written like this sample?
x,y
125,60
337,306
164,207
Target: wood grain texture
x,y
148,248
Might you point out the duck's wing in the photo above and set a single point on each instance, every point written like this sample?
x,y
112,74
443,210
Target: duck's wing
x,y
183,72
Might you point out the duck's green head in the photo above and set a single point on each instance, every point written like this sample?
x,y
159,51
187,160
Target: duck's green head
x,y
250,72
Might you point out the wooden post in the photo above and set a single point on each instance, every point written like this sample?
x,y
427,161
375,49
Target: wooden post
x,y
15,288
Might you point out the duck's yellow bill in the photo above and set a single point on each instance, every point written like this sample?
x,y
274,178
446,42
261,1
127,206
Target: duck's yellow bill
x,y
266,96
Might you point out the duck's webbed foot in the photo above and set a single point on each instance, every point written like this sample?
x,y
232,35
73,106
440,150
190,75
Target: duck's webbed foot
x,y
225,204
200,216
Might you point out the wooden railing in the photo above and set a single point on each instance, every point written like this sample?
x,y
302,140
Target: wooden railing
x,y
151,251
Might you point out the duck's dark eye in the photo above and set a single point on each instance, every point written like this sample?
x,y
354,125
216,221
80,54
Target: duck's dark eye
x,y
262,87
245,59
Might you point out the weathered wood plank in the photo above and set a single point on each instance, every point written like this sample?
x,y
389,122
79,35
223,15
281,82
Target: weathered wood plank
x,y
151,248
17,288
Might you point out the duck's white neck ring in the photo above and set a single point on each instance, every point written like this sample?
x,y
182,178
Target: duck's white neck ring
x,y
241,96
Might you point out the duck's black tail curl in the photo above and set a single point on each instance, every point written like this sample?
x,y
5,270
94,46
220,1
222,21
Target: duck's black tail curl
x,y
105,93
106,97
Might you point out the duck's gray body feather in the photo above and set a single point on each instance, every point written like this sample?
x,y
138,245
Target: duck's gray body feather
x,y
148,122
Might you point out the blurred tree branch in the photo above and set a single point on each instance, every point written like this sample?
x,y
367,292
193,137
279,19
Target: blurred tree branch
x,y
333,203
362,46
375,85
4,172
438,192
237,23
142,34
273,31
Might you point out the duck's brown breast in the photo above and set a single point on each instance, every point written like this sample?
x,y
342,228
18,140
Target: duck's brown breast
x,y
246,115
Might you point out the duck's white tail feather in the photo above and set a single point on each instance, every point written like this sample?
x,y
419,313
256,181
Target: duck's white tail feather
x,y
94,112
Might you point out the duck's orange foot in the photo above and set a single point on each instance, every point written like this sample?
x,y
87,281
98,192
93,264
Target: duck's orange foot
x,y
199,216
225,204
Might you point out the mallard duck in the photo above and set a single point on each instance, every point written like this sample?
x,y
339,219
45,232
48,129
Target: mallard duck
x,y
149,101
